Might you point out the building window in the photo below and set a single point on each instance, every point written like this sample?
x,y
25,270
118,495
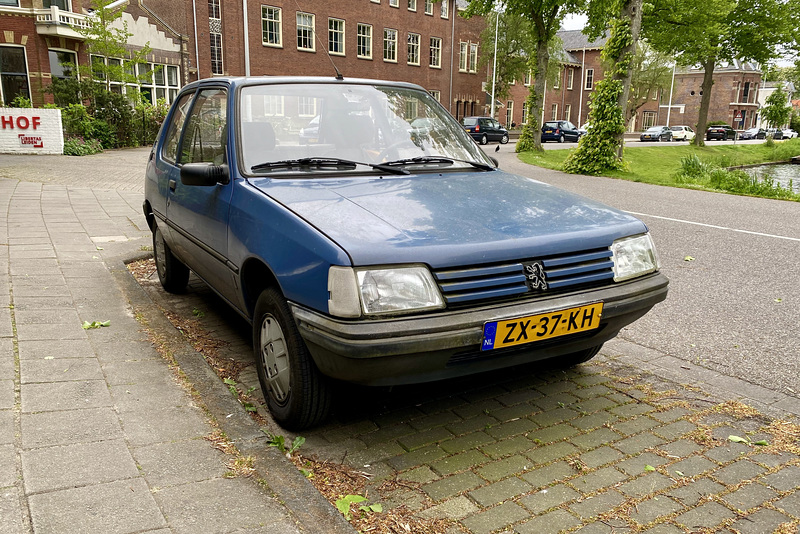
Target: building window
x,y
526,78
394,3
554,112
429,7
215,36
63,64
60,4
746,92
390,45
413,49
172,82
462,56
271,34
589,79
445,7
567,111
558,81
436,94
648,119
364,41
13,74
436,52
412,5
305,31
473,57
524,113
307,106
570,77
509,113
336,36
215,42
10,3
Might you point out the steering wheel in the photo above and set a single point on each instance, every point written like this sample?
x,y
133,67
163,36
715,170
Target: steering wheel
x,y
395,148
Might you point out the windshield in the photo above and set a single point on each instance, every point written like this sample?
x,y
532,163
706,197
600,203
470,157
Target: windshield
x,y
369,124
654,129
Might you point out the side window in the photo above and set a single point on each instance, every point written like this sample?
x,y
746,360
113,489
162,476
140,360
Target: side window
x,y
206,129
170,150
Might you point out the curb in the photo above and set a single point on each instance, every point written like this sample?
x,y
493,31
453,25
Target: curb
x,y
309,508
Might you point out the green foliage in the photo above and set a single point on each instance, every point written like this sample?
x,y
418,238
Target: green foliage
x,y
777,110
78,146
76,121
279,442
344,503
794,122
717,123
20,101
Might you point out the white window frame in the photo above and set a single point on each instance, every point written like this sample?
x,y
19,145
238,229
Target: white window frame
x,y
429,7
445,10
554,112
390,45
567,111
557,83
266,21
588,83
435,57
413,51
526,79
394,3
435,93
570,78
463,48
364,40
412,5
306,106
340,32
306,28
509,113
473,57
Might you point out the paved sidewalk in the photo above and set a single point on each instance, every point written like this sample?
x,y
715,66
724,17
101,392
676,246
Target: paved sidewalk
x,y
97,432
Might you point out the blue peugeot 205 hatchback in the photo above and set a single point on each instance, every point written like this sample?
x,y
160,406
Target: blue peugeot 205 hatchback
x,y
375,251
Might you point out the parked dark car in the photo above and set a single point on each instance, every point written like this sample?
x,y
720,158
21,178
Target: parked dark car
x,y
485,129
720,132
377,253
560,131
753,133
775,133
657,133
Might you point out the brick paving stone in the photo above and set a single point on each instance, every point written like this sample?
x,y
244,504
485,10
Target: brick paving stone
x,y
500,491
500,469
597,390
707,515
764,520
595,404
554,417
749,496
421,439
635,466
455,508
452,485
592,421
553,433
632,410
738,471
726,453
495,518
507,413
548,453
602,478
420,475
674,430
693,492
548,498
473,424
773,459
517,445
646,484
637,444
459,462
651,509
591,380
544,476
388,433
664,529
692,466
682,448
477,408
520,396
635,425
511,428
600,456
556,402
790,504
596,505
597,527
673,414
554,389
466,442
595,438
417,457
786,479
435,420
550,523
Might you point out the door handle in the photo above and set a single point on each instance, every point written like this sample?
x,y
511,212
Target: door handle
x,y
172,185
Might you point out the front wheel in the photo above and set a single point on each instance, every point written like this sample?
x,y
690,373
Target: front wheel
x,y
504,139
297,394
561,139
172,274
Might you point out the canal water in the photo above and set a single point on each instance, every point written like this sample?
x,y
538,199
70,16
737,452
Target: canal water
x,y
786,174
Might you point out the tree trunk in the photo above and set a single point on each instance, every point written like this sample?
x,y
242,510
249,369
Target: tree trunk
x,y
705,100
531,137
632,10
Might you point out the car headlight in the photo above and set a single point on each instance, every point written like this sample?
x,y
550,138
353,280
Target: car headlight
x,y
375,291
634,256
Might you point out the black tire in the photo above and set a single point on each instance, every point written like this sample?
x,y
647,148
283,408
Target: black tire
x,y
577,358
504,139
298,395
561,139
484,140
172,273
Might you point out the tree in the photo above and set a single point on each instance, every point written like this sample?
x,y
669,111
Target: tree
x,y
514,45
651,72
545,17
777,111
731,29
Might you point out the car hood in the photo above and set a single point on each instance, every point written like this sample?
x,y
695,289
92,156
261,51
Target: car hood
x,y
449,219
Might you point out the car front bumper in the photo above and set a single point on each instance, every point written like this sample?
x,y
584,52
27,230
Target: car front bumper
x,y
412,349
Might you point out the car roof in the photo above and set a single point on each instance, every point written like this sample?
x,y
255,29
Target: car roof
x,y
234,81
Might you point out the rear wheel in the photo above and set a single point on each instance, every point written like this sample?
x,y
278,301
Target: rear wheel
x,y
297,394
561,138
484,139
504,139
172,274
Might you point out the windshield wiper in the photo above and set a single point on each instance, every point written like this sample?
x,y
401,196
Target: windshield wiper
x,y
441,160
320,163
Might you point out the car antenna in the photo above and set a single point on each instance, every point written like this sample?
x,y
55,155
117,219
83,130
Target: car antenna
x,y
338,74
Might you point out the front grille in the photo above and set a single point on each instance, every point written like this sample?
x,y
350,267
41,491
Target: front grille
x,y
468,285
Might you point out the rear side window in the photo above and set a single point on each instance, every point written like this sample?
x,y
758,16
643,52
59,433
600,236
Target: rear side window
x,y
551,125
173,137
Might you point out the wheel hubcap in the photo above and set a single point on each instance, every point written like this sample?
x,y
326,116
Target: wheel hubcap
x,y
275,358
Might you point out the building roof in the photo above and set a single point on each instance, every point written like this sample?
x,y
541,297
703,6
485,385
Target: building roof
x,y
575,40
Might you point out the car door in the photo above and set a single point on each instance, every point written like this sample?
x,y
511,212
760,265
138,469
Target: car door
x,y
197,214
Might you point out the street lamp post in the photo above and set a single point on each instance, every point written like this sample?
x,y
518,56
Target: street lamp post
x,y
671,86
494,65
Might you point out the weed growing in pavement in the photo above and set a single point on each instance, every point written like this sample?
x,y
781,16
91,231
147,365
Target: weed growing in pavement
x,y
279,442
344,503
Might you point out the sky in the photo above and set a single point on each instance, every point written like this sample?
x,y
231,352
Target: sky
x,y
573,22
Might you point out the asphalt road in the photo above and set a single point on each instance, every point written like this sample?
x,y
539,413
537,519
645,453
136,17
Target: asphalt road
x,y
735,307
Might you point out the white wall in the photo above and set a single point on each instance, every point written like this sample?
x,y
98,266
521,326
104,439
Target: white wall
x,y
31,131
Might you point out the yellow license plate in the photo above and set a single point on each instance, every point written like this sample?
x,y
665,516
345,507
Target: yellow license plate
x,y
522,330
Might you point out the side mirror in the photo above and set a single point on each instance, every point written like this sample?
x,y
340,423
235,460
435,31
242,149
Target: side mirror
x,y
205,174
495,162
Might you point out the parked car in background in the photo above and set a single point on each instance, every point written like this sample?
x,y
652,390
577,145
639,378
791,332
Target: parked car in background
x,y
682,133
775,133
657,133
485,129
381,253
560,131
583,130
788,133
720,132
753,133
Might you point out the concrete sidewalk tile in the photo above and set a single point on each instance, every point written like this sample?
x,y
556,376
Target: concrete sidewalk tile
x,y
137,372
122,351
459,462
547,498
59,370
146,427
180,462
554,433
693,492
466,442
635,466
473,424
595,420
674,430
511,428
97,509
638,443
554,417
516,445
682,448
763,520
548,453
595,438
47,332
428,454
421,439
495,518
790,504
67,427
7,399
66,466
428,422
738,471
549,523
8,466
600,456
786,479
56,396
602,478
7,427
707,515
498,492
651,509
11,511
456,508
452,485
646,484
728,452
500,469
544,476
748,496
51,316
148,397
220,505
598,504
40,303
